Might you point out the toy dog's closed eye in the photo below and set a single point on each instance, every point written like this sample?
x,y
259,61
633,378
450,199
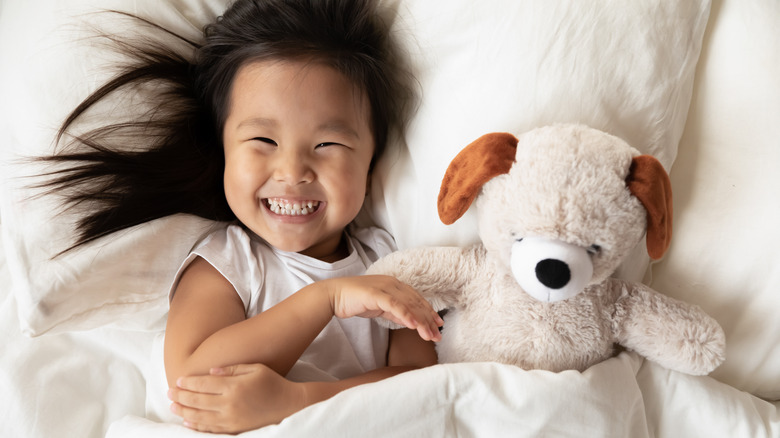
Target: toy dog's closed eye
x,y
592,250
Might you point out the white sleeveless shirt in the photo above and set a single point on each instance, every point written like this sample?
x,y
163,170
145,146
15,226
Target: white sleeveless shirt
x,y
263,276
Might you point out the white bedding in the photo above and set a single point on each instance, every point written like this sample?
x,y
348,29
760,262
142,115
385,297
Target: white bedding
x,y
78,332
621,397
82,384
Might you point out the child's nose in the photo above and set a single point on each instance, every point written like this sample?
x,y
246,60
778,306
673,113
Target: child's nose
x,y
292,167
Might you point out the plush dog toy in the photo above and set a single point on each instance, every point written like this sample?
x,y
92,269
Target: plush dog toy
x,y
558,209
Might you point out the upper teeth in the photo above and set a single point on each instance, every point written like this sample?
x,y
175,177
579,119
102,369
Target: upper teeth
x,y
298,208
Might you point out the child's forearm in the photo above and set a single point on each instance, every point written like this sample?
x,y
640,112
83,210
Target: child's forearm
x,y
249,396
276,337
315,392
407,352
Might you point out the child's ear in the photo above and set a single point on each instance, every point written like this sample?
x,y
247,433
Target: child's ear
x,y
486,157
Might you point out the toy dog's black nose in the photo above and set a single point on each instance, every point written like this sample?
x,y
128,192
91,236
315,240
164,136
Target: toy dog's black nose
x,y
553,273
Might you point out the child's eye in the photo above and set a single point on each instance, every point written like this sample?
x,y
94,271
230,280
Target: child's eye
x,y
327,143
265,140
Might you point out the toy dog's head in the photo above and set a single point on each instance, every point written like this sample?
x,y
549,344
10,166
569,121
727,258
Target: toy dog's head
x,y
561,206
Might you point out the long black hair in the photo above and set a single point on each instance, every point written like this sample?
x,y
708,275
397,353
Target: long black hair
x,y
176,163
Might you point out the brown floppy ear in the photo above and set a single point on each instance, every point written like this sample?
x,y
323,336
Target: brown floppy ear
x,y
486,157
649,182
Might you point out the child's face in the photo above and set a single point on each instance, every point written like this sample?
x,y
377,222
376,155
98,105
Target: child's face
x,y
297,151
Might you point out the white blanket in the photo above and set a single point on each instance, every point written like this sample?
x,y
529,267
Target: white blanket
x,y
622,397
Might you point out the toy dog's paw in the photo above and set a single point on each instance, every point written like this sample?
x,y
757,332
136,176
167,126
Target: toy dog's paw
x,y
694,345
705,347
677,335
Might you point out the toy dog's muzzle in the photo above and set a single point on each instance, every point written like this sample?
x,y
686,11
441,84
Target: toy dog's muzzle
x,y
550,270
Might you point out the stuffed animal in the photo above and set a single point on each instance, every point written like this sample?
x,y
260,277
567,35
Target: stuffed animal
x,y
559,209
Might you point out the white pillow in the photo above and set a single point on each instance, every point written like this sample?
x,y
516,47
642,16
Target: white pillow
x,y
625,67
725,255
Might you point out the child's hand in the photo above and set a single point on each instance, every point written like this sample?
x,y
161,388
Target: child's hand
x,y
235,399
373,296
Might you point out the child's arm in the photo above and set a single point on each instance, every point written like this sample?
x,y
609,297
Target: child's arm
x,y
207,327
239,398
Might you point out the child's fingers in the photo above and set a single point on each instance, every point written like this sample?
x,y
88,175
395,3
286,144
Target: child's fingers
x,y
212,384
414,313
196,419
423,312
194,400
430,333
430,330
399,311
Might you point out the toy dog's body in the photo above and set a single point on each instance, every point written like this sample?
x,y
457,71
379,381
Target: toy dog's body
x,y
556,218
483,322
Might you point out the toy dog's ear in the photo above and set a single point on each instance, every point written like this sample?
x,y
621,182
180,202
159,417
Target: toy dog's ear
x,y
648,181
486,157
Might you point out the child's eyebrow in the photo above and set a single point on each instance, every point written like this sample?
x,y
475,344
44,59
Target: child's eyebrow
x,y
258,121
333,126
337,126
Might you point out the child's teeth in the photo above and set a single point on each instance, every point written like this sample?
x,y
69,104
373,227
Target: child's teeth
x,y
294,209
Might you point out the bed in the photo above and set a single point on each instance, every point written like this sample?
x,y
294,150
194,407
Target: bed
x,y
693,83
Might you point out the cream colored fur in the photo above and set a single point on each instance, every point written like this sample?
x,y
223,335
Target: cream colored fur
x,y
567,184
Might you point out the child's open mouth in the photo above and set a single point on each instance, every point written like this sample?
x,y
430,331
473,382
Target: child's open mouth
x,y
291,208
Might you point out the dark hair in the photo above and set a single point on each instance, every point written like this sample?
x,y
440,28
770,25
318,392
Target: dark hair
x,y
179,167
